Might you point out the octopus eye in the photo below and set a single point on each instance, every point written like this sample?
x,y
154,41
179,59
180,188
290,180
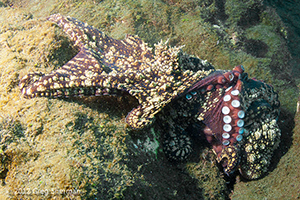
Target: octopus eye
x,y
194,93
231,77
188,96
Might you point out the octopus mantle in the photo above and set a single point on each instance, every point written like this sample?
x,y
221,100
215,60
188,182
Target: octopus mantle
x,y
236,114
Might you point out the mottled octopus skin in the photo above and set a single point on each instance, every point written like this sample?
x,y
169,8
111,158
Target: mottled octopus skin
x,y
237,115
253,136
104,64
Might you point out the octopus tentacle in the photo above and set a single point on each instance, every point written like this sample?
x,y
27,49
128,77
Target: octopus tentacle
x,y
262,134
229,158
234,110
178,147
106,65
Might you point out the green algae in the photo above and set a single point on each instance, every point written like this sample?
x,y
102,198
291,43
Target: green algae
x,y
84,146
208,176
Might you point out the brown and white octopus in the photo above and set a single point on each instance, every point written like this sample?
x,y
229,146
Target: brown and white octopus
x,y
237,115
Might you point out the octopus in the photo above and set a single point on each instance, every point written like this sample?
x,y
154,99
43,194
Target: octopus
x,y
186,96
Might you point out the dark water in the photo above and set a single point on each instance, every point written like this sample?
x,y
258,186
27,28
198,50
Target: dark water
x,y
289,11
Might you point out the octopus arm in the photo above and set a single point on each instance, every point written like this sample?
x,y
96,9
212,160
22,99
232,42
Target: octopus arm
x,y
130,52
106,66
84,75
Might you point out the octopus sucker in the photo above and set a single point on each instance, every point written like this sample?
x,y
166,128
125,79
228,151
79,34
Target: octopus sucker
x,y
181,93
